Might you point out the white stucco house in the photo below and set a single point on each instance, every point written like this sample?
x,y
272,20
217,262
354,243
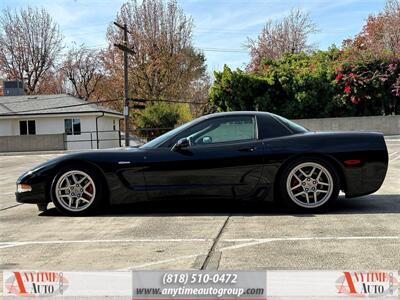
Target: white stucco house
x,y
44,122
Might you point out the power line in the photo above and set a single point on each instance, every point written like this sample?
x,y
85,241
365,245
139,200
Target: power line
x,y
232,50
55,107
32,98
95,103
224,50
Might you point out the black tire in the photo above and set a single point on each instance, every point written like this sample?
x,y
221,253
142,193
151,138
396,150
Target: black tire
x,y
95,203
285,183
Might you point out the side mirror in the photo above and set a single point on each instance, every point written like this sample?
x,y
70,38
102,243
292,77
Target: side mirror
x,y
181,144
207,140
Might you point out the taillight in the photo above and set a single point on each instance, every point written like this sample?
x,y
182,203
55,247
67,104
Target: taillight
x,y
352,162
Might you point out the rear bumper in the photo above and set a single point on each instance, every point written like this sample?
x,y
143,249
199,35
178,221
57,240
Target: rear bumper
x,y
366,179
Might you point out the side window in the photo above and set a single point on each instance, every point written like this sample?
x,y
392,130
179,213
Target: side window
x,y
23,129
224,130
72,126
31,127
268,128
27,127
76,126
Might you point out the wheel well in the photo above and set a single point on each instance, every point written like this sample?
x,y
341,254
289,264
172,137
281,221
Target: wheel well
x,y
79,163
335,164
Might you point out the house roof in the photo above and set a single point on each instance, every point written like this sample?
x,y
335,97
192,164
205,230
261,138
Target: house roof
x,y
48,104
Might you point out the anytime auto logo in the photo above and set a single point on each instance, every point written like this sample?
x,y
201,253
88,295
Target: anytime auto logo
x,y
36,283
368,284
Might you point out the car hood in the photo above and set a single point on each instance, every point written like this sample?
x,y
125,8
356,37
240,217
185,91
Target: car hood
x,y
94,156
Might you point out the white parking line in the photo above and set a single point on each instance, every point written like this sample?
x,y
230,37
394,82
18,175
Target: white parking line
x,y
254,242
16,243
264,241
165,261
393,153
394,159
249,242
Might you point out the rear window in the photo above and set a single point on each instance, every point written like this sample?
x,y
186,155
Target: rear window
x,y
269,128
295,128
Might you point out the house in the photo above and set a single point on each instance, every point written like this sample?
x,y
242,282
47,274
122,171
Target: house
x,y
56,122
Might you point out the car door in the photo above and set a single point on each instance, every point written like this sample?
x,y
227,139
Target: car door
x,y
224,160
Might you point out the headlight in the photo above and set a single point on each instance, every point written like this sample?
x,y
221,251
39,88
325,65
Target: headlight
x,y
22,187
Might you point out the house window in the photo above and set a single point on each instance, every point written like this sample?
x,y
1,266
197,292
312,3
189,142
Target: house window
x,y
114,125
72,126
27,127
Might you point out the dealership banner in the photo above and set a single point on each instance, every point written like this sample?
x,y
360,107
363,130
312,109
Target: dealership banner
x,y
332,284
153,285
199,285
68,285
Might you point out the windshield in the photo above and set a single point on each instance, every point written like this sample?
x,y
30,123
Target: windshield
x,y
166,136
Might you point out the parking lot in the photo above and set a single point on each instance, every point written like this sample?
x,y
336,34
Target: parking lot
x,y
357,234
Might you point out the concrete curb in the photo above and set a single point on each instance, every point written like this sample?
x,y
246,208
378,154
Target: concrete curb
x,y
36,153
392,138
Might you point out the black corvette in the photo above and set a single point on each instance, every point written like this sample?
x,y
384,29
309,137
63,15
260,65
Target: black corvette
x,y
246,156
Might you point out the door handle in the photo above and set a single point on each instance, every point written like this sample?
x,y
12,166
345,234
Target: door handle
x,y
247,149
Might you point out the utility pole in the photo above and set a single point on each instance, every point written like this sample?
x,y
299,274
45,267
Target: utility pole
x,y
124,47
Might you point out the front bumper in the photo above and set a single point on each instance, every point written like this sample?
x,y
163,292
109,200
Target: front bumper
x,y
36,196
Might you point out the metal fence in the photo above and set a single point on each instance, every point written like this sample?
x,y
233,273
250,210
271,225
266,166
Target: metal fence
x,y
111,138
147,134
93,139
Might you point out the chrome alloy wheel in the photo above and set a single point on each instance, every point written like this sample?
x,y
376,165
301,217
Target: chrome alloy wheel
x,y
309,185
75,190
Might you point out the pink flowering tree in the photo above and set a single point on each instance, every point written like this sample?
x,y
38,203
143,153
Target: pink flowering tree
x,y
369,85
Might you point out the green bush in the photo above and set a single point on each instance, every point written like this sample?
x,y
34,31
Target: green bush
x,y
369,86
237,90
159,117
311,86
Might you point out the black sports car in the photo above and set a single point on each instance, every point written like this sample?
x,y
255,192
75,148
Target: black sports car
x,y
246,156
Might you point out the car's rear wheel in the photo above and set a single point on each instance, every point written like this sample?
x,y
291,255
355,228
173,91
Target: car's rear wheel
x,y
309,184
77,191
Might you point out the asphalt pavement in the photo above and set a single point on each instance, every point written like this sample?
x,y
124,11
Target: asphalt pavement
x,y
357,234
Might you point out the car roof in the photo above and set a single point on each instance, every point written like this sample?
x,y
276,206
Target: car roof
x,y
233,113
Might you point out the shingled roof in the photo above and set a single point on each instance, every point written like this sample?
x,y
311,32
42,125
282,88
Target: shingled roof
x,y
48,104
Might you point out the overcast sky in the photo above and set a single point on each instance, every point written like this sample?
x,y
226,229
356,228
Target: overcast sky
x,y
221,26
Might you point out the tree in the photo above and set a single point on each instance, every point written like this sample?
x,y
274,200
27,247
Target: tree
x,y
278,38
53,82
391,27
83,68
380,35
165,63
238,90
30,42
159,117
372,86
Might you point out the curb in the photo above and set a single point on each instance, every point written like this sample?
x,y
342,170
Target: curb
x,y
35,153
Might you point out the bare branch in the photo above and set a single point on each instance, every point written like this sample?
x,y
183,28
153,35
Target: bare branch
x,y
287,36
30,43
165,63
84,70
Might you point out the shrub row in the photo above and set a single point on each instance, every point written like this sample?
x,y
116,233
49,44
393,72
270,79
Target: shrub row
x,y
332,83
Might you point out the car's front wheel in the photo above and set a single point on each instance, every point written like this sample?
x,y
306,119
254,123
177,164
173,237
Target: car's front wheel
x,y
309,184
77,191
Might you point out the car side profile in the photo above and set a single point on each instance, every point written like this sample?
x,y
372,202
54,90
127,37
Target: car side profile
x,y
239,156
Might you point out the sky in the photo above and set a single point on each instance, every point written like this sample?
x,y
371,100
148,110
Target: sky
x,y
221,27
